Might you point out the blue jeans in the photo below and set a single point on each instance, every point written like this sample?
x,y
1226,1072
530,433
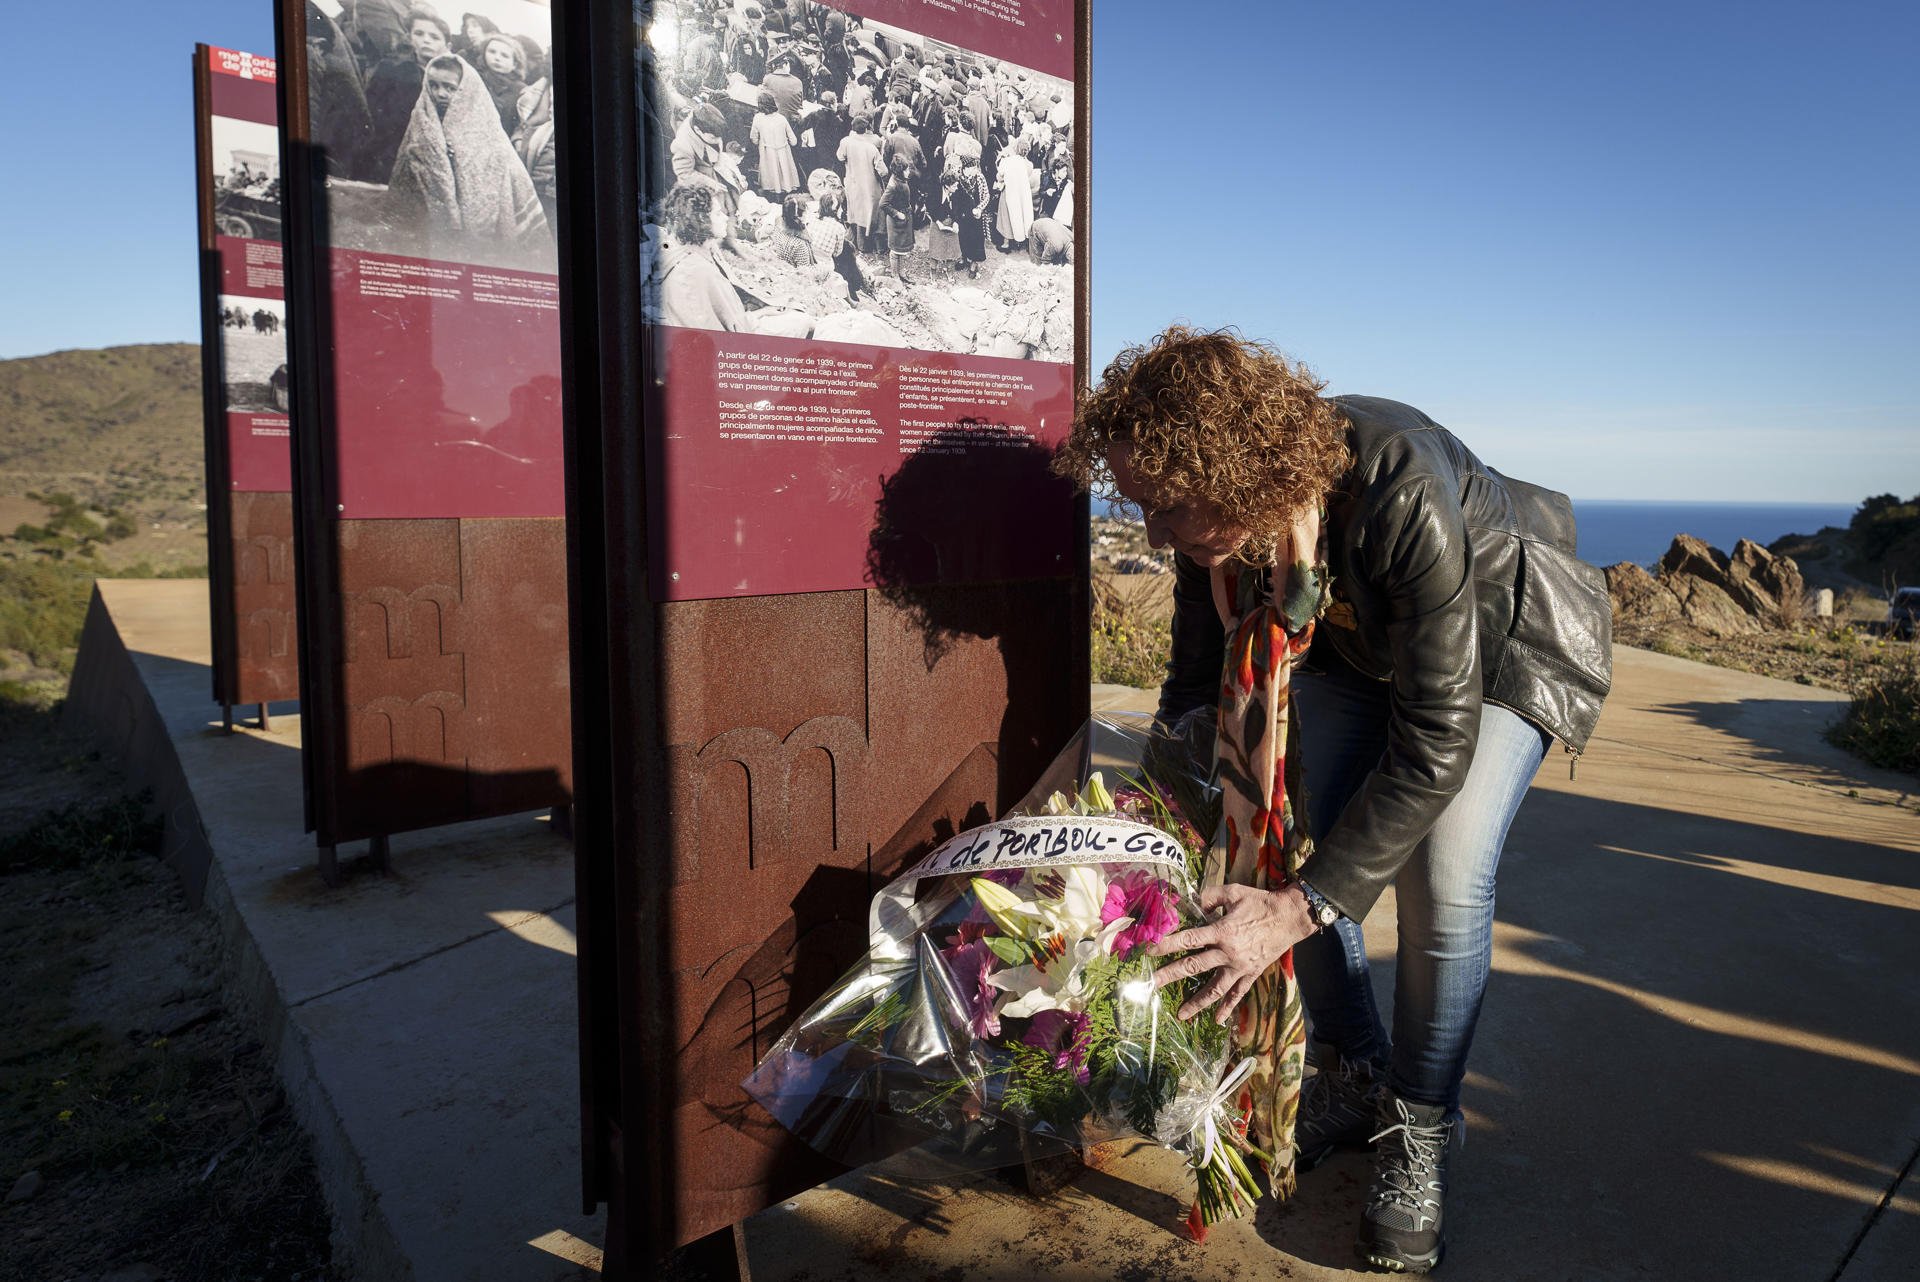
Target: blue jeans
x,y
1445,891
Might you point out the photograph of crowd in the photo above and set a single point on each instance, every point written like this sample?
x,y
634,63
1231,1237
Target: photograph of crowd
x,y
817,174
253,354
436,127
246,178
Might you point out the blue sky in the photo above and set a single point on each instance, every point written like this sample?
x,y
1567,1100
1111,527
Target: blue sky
x,y
1627,250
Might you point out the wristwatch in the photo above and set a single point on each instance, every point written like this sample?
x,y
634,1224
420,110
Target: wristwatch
x,y
1324,914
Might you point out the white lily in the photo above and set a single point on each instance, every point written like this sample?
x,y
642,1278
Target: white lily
x,y
1059,985
1073,914
1076,913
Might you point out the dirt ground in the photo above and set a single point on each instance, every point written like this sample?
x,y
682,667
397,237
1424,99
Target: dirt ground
x,y
16,511
1837,656
144,1135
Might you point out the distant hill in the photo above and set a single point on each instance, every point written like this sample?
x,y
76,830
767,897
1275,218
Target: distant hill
x,y
101,473
1875,551
116,418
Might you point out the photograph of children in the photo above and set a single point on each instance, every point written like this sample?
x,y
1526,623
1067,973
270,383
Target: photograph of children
x,y
246,178
821,174
436,127
253,354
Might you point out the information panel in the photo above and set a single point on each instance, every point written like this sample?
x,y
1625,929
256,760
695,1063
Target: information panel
x,y
244,355
421,271
858,252
243,182
823,322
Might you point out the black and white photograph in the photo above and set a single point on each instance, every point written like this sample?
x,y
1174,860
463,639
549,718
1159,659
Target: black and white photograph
x,y
246,178
253,354
436,128
823,175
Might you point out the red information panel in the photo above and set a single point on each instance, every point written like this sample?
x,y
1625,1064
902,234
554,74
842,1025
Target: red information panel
x,y
243,162
437,139
860,291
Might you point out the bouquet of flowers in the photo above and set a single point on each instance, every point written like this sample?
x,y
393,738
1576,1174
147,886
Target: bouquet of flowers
x,y
1007,1005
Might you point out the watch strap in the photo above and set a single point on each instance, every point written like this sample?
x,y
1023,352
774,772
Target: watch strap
x,y
1319,907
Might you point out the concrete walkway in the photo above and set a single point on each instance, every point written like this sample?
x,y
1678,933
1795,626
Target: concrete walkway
x,y
1699,1058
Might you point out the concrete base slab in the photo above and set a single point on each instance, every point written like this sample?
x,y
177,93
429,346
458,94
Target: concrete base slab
x,y
1122,1220
425,1019
1114,698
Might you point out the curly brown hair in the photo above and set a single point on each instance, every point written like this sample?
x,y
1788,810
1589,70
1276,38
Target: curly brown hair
x,y
1214,416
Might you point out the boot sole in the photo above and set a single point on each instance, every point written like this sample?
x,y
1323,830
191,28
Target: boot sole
x,y
1402,1264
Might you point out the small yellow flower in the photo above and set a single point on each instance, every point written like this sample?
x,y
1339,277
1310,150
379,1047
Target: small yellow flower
x,y
66,1115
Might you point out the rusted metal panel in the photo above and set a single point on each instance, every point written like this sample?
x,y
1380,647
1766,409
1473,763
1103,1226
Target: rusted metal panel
x,y
403,678
453,637
266,654
512,628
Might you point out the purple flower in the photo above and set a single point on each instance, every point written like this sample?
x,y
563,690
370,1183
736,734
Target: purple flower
x,y
970,964
976,926
1066,1035
1145,898
1008,877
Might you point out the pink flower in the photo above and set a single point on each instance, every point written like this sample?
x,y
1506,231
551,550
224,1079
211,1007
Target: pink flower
x,y
970,964
1148,901
1066,1034
975,927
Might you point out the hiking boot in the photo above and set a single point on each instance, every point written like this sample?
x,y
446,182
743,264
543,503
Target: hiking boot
x,y
1339,1106
1401,1231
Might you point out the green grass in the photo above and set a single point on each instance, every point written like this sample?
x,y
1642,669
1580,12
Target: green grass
x,y
43,603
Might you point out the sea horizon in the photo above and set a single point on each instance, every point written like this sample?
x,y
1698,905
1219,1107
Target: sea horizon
x,y
1641,530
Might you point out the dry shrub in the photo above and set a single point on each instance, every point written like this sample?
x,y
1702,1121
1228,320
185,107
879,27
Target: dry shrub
x,y
1131,640
1882,725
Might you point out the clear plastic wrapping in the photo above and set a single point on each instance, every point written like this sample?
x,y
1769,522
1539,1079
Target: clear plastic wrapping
x,y
1007,1006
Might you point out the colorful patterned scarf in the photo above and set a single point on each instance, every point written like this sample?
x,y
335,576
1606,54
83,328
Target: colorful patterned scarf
x,y
1263,838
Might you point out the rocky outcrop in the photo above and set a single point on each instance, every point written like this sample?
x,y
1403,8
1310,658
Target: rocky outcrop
x,y
1750,591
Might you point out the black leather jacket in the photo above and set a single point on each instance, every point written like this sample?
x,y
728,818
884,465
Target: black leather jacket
x,y
1452,582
